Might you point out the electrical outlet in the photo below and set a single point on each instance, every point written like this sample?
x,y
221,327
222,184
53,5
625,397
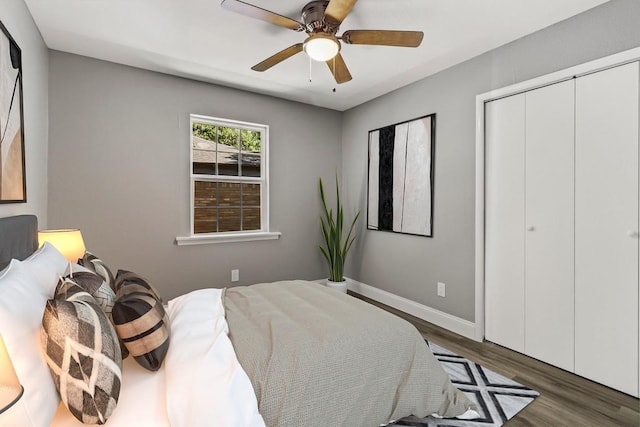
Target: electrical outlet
x,y
441,289
235,275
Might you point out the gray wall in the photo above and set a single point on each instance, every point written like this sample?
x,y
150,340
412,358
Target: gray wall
x,y
411,266
119,168
118,164
16,18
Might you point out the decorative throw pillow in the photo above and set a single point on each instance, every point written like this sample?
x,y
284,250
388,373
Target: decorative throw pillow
x,y
88,281
92,283
98,266
68,290
140,320
135,283
82,351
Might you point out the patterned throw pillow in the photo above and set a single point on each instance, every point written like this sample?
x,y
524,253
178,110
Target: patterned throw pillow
x,y
94,284
96,265
82,352
140,320
86,281
68,290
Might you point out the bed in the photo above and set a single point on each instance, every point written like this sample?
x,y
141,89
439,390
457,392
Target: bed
x,y
290,353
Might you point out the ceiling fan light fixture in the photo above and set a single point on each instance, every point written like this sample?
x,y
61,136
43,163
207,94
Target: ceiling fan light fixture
x,y
321,46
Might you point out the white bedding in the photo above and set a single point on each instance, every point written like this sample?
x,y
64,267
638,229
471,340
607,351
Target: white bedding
x,y
200,383
142,398
206,385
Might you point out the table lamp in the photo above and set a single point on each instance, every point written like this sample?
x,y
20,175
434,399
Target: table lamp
x,y
68,241
10,389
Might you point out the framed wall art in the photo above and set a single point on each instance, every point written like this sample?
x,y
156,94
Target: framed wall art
x,y
400,189
12,169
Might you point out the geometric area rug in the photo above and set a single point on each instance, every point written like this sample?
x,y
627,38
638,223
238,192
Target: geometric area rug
x,y
497,397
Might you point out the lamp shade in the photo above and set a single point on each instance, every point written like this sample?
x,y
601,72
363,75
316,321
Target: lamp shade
x,y
10,388
69,242
321,46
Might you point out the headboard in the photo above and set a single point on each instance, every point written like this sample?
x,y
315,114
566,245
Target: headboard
x,y
18,238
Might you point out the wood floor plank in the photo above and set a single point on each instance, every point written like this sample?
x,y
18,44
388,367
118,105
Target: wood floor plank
x,y
565,399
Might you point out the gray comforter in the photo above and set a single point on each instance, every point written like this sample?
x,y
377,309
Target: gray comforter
x,y
317,357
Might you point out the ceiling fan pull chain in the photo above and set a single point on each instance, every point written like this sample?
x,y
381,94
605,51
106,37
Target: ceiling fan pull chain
x,y
334,70
309,69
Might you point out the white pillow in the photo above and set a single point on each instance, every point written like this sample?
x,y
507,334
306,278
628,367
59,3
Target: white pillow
x,y
22,302
47,264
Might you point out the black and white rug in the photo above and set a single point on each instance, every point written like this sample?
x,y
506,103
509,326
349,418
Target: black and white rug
x,y
498,398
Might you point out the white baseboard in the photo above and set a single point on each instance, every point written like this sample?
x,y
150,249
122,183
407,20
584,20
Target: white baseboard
x,y
452,323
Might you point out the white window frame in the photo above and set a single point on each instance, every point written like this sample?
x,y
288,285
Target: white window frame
x,y
231,236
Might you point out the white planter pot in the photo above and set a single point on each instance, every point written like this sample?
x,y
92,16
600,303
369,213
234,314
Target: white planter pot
x,y
338,286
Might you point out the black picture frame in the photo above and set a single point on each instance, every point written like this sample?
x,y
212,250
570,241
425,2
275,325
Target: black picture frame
x,y
13,182
400,177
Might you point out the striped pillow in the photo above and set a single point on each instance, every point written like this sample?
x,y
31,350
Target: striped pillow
x,y
140,320
135,283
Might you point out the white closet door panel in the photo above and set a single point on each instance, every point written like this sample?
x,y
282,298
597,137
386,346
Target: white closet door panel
x,y
606,216
504,222
549,316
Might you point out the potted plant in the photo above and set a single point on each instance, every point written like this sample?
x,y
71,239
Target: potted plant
x,y
335,247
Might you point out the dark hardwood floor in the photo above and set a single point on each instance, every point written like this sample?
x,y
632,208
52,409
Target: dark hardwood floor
x,y
565,399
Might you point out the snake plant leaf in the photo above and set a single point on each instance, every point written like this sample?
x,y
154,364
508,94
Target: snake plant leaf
x,y
336,245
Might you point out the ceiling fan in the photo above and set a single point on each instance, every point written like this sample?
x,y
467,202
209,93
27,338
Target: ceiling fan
x,y
321,20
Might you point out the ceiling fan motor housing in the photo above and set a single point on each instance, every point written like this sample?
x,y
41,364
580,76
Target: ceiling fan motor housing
x,y
314,19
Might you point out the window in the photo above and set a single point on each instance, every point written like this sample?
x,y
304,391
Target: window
x,y
229,181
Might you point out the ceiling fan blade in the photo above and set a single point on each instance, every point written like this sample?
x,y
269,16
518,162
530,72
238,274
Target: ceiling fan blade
x,y
278,57
262,14
383,37
339,69
337,10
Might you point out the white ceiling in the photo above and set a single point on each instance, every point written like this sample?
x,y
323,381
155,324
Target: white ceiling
x,y
199,39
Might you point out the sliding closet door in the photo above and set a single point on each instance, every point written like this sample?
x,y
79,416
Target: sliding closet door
x,y
504,222
549,224
606,208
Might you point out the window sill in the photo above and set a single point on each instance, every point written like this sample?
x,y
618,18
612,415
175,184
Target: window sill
x,y
227,238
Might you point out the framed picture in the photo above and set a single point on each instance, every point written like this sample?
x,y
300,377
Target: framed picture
x,y
400,190
13,187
